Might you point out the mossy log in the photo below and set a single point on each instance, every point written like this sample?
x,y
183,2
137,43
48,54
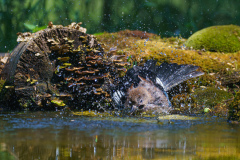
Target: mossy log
x,y
61,64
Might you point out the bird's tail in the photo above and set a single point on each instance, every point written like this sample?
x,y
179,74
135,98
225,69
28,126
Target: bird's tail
x,y
170,75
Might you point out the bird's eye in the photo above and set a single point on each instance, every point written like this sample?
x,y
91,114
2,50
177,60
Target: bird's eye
x,y
141,106
140,101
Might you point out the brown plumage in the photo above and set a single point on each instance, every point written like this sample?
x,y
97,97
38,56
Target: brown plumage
x,y
147,97
145,87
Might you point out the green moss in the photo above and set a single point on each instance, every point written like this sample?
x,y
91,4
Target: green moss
x,y
224,38
2,82
2,90
183,103
24,103
221,70
206,80
176,117
234,108
98,34
170,50
222,157
107,39
210,96
92,114
177,41
164,51
58,103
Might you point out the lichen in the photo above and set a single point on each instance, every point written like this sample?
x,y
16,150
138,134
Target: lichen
x,y
224,38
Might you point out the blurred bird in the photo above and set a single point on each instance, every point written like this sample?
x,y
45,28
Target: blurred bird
x,y
145,88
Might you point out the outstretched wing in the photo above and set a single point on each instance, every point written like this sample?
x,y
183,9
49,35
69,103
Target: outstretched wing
x,y
170,75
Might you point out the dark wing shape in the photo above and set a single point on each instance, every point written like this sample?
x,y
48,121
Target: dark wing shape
x,y
170,75
164,76
118,97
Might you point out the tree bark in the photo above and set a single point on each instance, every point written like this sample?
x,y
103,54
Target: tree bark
x,y
61,64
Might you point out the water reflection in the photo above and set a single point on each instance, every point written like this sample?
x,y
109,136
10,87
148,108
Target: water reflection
x,y
53,136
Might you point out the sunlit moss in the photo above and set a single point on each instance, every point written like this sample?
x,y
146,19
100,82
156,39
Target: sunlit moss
x,y
177,117
216,38
165,50
98,34
92,114
133,119
220,69
58,103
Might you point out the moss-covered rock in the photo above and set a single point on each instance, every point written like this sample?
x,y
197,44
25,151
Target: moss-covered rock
x,y
224,38
210,96
208,100
221,70
234,108
184,103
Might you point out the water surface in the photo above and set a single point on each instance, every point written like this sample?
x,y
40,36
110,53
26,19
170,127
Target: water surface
x,y
56,135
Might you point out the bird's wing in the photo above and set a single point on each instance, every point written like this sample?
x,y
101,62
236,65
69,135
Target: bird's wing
x,y
170,75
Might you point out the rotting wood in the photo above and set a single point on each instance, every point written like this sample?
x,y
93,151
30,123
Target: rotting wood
x,y
61,61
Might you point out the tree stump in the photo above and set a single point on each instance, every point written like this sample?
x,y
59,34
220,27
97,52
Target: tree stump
x,y
62,66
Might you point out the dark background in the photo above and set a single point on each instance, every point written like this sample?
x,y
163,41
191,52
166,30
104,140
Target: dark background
x,y
163,17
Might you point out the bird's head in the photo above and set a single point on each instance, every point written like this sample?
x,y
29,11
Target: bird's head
x,y
146,97
138,97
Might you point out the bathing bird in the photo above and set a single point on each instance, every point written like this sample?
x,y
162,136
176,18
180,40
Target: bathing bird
x,y
145,88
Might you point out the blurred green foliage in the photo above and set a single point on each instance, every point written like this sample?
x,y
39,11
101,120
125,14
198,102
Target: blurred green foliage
x,y
165,17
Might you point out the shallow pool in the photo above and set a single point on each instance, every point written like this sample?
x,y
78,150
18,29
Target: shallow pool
x,y
57,135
